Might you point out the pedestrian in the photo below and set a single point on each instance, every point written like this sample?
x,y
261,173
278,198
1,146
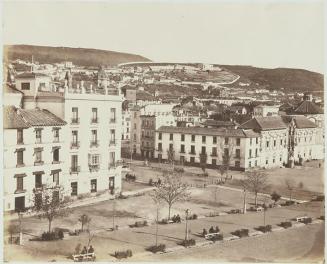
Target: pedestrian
x,y
91,249
211,230
217,229
204,232
319,164
84,251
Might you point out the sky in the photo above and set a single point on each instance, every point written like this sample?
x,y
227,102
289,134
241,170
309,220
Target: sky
x,y
259,33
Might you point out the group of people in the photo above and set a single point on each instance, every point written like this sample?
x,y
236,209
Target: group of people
x,y
176,218
89,250
211,230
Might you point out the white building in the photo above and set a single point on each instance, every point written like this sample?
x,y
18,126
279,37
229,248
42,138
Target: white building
x,y
34,154
266,110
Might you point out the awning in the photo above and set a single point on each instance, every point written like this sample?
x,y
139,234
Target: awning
x,y
38,172
55,171
19,149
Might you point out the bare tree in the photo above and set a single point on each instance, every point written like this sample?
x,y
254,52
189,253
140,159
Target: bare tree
x,y
171,190
256,181
49,203
84,219
226,155
290,185
245,186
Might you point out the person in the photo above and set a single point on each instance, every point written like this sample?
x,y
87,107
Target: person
x,y
91,249
217,229
204,232
84,251
211,230
319,165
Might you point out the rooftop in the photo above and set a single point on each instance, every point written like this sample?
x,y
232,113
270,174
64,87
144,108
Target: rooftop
x,y
307,107
300,121
264,123
30,75
24,118
222,132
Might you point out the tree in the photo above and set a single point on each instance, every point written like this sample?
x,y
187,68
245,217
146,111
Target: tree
x,y
290,185
171,190
226,151
256,181
275,197
171,157
84,219
49,203
203,161
245,185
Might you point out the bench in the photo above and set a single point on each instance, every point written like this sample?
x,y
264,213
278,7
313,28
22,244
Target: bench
x,y
84,257
211,235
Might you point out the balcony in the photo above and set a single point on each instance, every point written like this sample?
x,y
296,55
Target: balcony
x,y
38,163
112,143
237,157
20,165
75,169
182,151
192,153
94,167
94,143
94,120
75,121
74,145
159,150
214,154
38,141
56,140
56,162
112,165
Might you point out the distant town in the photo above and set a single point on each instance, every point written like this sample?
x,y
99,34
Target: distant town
x,y
106,140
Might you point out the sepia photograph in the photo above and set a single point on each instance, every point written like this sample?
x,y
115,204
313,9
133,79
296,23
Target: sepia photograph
x,y
163,131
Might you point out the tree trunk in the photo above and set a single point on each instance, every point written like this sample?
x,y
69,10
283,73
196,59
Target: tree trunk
x,y
50,225
256,199
169,207
244,203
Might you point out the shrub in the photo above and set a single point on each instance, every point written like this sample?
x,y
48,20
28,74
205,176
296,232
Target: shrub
x,y
289,203
188,243
193,217
176,219
123,254
286,224
158,248
307,220
217,237
49,236
180,170
241,233
265,229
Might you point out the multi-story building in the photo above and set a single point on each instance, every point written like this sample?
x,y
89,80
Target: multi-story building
x,y
93,131
149,124
126,130
265,110
34,150
217,146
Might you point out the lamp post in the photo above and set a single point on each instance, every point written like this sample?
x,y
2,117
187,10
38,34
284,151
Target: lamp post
x,y
186,224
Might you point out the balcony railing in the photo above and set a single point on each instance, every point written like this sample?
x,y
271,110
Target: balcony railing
x,y
38,163
75,121
75,169
74,144
94,167
114,165
213,154
159,150
94,120
112,142
94,143
182,151
192,153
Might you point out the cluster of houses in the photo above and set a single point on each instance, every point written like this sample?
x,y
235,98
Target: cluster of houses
x,y
72,132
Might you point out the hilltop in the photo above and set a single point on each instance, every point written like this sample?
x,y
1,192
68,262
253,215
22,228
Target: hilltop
x,y
290,80
79,56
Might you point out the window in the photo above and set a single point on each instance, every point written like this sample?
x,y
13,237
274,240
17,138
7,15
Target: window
x,y
112,158
160,136
38,156
182,137
214,151
226,141
38,180
26,86
20,183
171,136
38,135
55,155
94,160
255,163
267,162
203,150
226,152
74,188
203,139
256,140
238,153
214,140
182,149
192,149
93,185
134,125
74,163
55,134
41,86
238,141
250,153
112,136
273,160
214,162
171,147
94,139
20,158
94,118
193,138
237,164
20,138
192,160
55,177
274,142
281,142
159,146
256,152
267,144
75,115
249,164
112,115
250,141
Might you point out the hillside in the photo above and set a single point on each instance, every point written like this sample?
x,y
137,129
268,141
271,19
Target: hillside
x,y
79,56
292,80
